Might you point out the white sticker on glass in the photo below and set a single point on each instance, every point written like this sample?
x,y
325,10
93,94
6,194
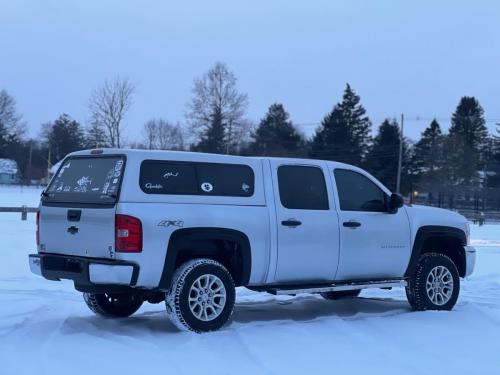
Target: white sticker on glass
x,y
150,185
207,187
118,165
170,174
83,184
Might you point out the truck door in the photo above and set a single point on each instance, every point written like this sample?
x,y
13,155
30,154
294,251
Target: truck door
x,y
307,223
374,243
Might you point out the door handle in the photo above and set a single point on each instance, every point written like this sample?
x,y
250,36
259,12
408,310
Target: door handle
x,y
74,215
291,223
351,224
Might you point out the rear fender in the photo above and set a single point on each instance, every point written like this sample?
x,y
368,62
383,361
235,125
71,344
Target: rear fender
x,y
183,239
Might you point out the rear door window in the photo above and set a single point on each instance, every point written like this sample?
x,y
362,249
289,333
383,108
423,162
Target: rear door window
x,y
87,180
192,178
302,188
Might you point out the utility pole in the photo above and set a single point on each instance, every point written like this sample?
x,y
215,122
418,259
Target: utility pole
x,y
400,158
229,136
28,175
49,166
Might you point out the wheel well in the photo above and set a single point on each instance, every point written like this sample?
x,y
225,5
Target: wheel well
x,y
226,252
449,246
229,247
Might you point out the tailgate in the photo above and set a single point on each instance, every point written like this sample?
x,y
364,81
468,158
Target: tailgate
x,y
86,232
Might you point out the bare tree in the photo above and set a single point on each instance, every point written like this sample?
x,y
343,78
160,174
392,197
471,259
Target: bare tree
x,y
150,134
108,105
162,135
216,101
10,119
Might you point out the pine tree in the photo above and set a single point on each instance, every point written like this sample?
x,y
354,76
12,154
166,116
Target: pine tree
x,y
213,139
465,141
63,136
95,136
276,135
3,140
344,132
491,157
382,159
428,155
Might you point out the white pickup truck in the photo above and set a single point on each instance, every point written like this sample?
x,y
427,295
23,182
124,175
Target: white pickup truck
x,y
129,226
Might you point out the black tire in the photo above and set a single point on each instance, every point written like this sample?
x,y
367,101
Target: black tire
x,y
185,282
341,294
416,290
119,305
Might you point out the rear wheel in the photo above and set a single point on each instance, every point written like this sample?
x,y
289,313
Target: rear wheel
x,y
201,297
435,284
341,294
113,305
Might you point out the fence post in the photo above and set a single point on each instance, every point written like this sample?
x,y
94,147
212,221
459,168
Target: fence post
x,y
24,212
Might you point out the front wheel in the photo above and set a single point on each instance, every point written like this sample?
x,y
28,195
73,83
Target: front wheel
x,y
435,284
113,305
201,297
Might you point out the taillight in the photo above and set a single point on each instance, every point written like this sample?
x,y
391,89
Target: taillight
x,y
128,234
38,228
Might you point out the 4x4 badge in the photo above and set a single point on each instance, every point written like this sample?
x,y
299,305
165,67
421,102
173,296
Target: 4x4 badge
x,y
171,223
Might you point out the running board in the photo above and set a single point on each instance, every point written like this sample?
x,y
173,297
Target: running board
x,y
339,287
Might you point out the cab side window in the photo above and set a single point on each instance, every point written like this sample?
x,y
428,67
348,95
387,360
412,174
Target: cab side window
x,y
358,193
302,188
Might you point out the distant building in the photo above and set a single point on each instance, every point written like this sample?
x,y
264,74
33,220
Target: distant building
x,y
9,172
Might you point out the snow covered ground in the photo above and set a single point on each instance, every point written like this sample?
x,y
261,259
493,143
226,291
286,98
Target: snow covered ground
x,y
45,327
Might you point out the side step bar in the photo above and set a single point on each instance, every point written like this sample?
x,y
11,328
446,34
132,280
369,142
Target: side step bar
x,y
339,287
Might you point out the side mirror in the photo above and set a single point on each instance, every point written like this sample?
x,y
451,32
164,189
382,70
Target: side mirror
x,y
395,202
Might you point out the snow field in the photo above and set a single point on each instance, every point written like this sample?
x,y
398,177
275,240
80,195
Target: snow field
x,y
45,327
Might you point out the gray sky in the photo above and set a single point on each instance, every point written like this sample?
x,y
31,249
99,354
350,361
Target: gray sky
x,y
413,57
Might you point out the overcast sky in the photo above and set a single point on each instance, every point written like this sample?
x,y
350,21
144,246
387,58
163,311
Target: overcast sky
x,y
414,57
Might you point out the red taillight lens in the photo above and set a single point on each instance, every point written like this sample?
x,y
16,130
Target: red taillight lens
x,y
38,228
128,234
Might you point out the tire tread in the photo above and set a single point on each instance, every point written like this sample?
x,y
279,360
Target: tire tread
x,y
172,299
414,291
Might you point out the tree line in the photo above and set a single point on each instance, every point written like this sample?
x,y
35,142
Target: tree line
x,y
216,122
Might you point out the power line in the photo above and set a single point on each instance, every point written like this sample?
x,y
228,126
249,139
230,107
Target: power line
x,y
429,119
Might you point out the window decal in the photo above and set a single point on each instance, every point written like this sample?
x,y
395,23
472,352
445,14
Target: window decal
x,y
170,174
207,187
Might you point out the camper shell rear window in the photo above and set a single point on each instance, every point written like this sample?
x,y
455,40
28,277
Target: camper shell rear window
x,y
196,178
87,179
